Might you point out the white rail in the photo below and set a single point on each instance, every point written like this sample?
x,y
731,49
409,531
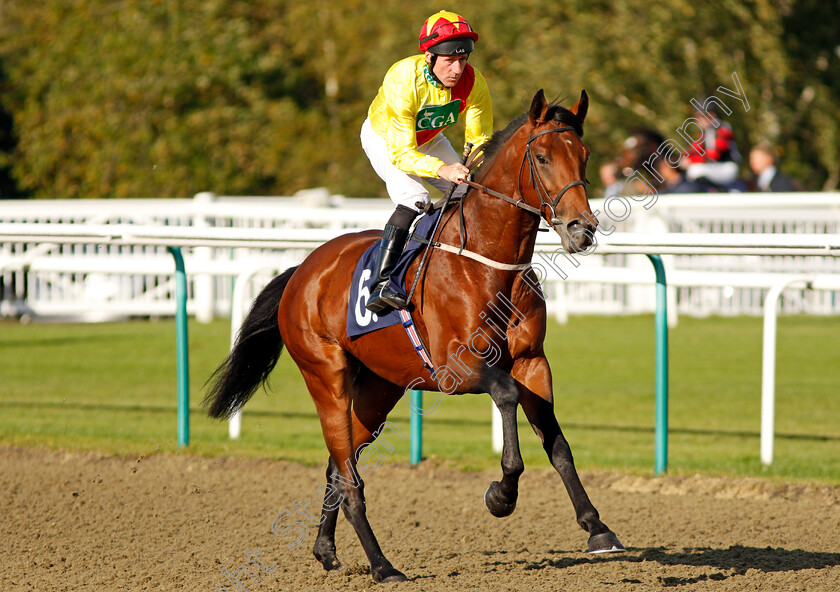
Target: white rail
x,y
36,291
827,245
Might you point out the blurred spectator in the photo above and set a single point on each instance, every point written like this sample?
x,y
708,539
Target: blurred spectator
x,y
763,163
629,166
714,158
609,177
676,182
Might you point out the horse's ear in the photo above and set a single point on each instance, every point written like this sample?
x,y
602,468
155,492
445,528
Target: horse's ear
x,y
538,106
582,106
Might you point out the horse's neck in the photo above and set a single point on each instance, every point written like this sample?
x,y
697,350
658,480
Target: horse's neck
x,y
494,228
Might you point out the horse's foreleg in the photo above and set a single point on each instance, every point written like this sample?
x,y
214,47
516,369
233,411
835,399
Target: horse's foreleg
x,y
534,381
500,497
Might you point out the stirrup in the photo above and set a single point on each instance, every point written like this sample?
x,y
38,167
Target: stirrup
x,y
381,298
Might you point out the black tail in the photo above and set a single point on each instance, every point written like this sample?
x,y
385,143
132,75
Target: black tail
x,y
257,349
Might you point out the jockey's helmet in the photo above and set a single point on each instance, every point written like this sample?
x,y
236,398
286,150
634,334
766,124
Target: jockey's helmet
x,y
447,33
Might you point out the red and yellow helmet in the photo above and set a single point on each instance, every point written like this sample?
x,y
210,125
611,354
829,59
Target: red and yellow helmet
x,y
447,33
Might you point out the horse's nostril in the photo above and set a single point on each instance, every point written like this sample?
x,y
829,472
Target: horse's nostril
x,y
588,226
582,234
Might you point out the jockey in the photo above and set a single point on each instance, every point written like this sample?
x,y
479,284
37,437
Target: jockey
x,y
419,97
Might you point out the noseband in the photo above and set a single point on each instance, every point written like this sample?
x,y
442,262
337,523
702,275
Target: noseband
x,y
536,181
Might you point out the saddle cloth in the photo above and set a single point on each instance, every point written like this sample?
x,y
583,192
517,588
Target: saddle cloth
x,y
359,319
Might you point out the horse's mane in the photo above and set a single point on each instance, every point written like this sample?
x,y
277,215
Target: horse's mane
x,y
555,112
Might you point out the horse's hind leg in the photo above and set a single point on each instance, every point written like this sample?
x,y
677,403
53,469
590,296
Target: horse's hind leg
x,y
324,549
374,399
331,388
534,378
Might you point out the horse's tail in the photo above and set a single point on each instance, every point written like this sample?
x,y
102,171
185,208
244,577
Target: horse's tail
x,y
253,357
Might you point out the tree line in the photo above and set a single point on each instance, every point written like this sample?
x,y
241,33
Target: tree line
x,y
152,98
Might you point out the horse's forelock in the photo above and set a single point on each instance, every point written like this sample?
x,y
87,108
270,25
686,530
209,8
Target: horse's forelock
x,y
561,115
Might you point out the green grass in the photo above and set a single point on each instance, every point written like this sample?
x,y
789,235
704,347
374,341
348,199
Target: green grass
x,y
112,388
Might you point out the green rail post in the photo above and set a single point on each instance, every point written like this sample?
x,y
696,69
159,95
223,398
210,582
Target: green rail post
x,y
416,427
182,351
661,322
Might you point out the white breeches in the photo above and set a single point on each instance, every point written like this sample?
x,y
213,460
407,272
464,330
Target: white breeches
x,y
403,188
720,173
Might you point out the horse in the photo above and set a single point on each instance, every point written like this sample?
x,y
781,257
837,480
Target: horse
x,y
533,170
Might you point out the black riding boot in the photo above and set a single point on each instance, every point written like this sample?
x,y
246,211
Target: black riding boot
x,y
390,249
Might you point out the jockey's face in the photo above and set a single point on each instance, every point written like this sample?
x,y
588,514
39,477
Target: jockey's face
x,y
448,68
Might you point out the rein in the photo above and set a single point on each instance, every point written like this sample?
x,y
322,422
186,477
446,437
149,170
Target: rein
x,y
518,203
536,182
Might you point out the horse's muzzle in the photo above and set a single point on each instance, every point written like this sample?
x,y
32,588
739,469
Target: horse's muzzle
x,y
577,236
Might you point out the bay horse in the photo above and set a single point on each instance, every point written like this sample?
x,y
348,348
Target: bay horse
x,y
537,165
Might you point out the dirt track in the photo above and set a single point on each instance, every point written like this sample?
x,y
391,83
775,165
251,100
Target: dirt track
x,y
74,521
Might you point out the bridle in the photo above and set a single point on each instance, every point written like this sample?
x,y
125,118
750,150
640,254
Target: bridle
x,y
536,182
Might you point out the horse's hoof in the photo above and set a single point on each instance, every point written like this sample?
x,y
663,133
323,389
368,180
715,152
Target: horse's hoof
x,y
332,564
606,542
327,558
389,576
494,502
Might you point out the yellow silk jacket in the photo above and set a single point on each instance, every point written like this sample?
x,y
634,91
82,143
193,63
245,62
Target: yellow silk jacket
x,y
411,108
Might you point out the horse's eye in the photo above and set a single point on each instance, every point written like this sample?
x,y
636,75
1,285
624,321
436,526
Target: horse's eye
x,y
541,159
